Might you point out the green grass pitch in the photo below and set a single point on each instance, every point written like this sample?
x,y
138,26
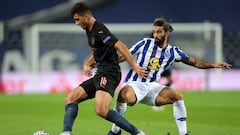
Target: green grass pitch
x,y
209,113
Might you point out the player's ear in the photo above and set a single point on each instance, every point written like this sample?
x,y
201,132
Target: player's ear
x,y
167,33
86,15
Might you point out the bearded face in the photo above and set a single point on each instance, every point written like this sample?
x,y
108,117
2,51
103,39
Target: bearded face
x,y
160,41
159,35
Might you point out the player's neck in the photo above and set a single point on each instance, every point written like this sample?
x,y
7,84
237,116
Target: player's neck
x,y
91,23
163,45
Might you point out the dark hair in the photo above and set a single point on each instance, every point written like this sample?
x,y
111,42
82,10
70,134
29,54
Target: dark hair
x,y
164,23
80,8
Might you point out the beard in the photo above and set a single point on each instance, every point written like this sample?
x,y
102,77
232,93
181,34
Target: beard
x,y
84,26
160,42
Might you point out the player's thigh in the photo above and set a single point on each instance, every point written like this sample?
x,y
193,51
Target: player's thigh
x,y
154,88
76,95
103,98
127,95
168,96
103,101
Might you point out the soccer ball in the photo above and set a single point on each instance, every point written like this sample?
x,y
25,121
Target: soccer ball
x,y
41,132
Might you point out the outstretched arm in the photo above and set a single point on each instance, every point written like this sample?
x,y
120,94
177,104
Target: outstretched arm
x,y
198,63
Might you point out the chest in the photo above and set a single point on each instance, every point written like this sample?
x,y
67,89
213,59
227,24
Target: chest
x,y
94,41
157,55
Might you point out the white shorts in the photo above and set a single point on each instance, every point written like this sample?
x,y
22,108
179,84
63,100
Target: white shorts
x,y
146,92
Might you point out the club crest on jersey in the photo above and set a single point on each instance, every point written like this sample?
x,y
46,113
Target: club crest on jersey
x,y
167,54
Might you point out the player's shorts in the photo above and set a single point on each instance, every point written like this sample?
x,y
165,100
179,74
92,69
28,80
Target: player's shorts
x,y
146,92
102,81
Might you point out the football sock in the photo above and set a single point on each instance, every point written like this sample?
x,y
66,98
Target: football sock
x,y
120,121
71,111
121,108
180,115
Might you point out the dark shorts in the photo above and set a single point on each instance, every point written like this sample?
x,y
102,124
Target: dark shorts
x,y
166,73
102,81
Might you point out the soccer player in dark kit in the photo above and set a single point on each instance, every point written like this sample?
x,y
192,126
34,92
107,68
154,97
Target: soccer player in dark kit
x,y
102,85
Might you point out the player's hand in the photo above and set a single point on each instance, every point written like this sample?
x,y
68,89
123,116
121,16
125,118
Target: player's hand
x,y
222,65
94,65
143,72
87,70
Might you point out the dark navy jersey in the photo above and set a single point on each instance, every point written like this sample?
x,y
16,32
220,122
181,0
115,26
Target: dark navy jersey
x,y
102,42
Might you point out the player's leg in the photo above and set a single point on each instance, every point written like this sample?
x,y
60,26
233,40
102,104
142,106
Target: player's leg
x,y
103,102
75,96
170,96
168,75
125,96
170,80
71,107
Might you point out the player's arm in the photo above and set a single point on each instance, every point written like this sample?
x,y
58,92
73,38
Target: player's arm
x,y
129,58
88,65
121,58
202,64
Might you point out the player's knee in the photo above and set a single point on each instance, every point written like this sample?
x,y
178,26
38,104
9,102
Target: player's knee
x,y
175,95
124,97
101,112
168,96
69,100
178,96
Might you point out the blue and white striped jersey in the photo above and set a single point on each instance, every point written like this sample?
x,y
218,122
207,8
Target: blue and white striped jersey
x,y
150,56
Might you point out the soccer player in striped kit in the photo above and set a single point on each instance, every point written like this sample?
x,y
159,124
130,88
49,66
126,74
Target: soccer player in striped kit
x,y
157,55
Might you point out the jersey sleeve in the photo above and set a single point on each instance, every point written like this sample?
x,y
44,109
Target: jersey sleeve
x,y
136,49
105,36
181,56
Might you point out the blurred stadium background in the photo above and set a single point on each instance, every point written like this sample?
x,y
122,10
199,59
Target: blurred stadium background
x,y
42,51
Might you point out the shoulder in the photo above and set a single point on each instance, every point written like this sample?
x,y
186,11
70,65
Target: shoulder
x,y
180,55
144,41
174,47
148,39
141,43
100,26
102,30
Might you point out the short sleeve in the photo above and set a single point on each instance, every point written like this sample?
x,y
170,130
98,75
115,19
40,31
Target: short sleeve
x,y
181,56
135,49
105,36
